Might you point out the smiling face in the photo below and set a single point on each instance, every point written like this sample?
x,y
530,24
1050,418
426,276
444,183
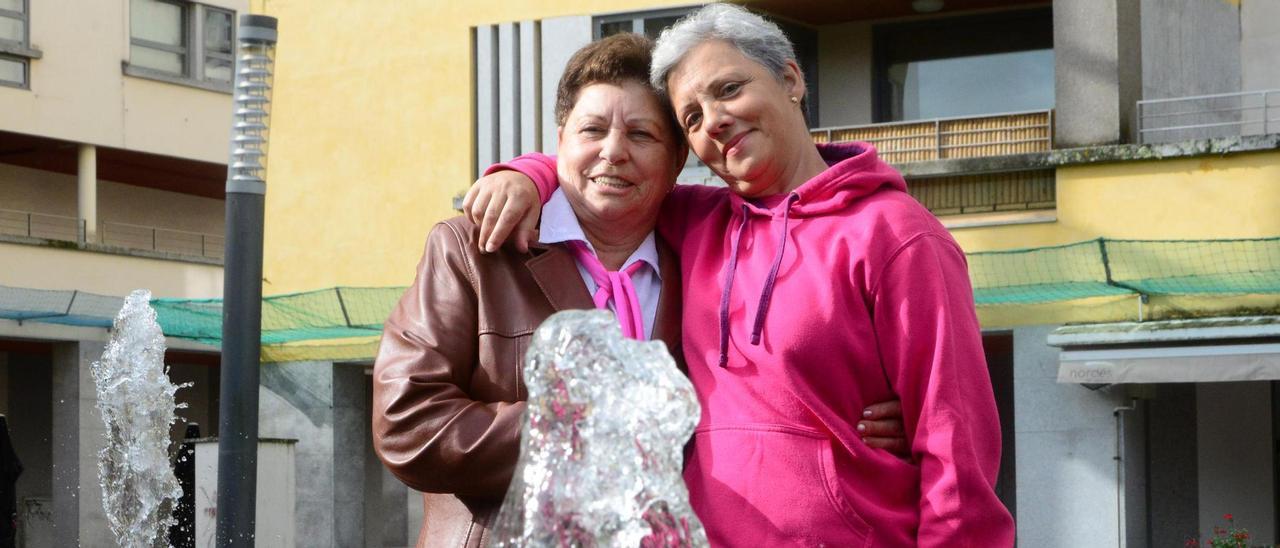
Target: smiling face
x,y
617,158
739,118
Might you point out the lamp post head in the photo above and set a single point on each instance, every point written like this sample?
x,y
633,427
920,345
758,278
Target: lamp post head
x,y
258,29
255,53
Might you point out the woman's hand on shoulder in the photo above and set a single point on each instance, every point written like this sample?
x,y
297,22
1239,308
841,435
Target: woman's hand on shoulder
x,y
505,205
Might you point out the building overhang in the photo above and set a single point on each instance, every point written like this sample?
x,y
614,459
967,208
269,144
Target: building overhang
x,y
1198,350
826,13
182,175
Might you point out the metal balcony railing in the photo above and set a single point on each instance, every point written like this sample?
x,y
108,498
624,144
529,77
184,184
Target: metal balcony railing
x,y
165,240
71,229
40,225
1209,116
941,138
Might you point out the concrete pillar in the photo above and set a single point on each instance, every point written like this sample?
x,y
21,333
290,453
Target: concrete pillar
x,y
846,69
386,513
351,440
1260,40
1136,457
78,517
1190,48
413,515
4,383
386,516
1065,445
324,406
1097,47
87,192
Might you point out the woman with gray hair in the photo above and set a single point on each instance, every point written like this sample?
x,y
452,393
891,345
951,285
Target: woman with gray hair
x,y
816,284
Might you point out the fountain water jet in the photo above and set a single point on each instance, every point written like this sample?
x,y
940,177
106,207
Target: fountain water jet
x,y
136,401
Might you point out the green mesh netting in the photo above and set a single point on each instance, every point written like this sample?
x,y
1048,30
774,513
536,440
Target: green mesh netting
x,y
1038,275
343,324
1105,267
337,313
61,307
1196,267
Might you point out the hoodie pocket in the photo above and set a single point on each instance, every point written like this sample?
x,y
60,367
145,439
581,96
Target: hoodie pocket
x,y
770,485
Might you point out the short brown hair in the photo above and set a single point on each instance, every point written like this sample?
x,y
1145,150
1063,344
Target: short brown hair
x,y
616,59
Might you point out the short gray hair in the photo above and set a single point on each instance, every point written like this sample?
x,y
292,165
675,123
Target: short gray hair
x,y
756,37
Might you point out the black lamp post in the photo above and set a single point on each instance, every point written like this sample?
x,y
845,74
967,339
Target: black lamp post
x,y
242,283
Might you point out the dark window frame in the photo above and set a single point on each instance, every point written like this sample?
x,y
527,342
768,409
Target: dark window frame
x,y
26,72
804,39
19,51
184,27
637,19
206,54
951,37
192,50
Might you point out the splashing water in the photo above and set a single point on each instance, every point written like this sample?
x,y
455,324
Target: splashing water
x,y
601,442
136,401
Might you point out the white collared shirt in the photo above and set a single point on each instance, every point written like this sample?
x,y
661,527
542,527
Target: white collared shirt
x,y
559,224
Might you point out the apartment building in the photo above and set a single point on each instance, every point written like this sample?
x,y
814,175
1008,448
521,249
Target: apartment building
x,y
114,119
1066,144
1110,167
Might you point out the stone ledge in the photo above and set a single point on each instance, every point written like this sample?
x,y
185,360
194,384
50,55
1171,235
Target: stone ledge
x,y
1091,155
998,218
1167,331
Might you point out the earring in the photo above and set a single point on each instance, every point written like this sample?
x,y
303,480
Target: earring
x,y
795,100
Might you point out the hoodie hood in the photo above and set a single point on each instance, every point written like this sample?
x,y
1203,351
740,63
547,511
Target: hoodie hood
x,y
854,171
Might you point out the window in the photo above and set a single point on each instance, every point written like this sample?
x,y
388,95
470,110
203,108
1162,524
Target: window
x,y
181,42
13,71
649,23
964,66
652,23
217,45
15,50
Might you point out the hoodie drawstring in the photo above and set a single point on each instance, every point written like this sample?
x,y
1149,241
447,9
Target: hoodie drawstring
x,y
766,295
728,284
762,309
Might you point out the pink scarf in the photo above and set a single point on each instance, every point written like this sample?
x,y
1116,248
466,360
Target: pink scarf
x,y
611,284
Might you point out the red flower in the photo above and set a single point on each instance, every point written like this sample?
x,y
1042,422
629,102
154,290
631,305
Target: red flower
x,y
1228,517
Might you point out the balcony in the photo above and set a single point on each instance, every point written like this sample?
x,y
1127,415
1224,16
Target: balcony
x,y
945,138
983,136
1222,115
122,235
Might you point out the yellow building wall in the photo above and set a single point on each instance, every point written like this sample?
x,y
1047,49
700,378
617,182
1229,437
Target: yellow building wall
x,y
371,131
1204,197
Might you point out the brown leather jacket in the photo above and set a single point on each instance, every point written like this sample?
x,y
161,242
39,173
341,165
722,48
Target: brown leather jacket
x,y
447,388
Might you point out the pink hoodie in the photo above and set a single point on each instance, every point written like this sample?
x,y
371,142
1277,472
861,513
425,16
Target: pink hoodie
x,y
802,309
